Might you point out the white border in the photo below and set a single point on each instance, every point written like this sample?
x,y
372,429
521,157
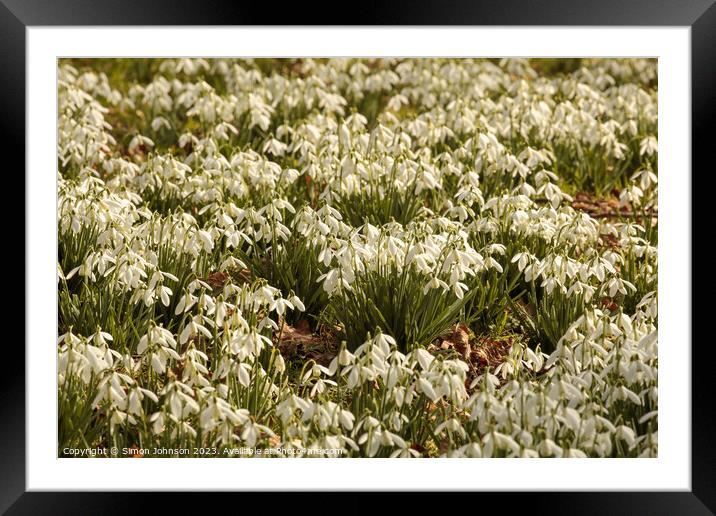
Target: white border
x,y
670,471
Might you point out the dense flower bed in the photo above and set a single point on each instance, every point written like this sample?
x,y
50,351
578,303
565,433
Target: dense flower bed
x,y
420,257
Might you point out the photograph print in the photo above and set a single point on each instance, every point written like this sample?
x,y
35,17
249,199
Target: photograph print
x,y
343,257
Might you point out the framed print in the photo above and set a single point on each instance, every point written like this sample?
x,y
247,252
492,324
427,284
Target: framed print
x,y
336,247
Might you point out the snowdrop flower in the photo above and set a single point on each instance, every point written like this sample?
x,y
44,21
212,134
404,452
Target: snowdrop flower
x,y
138,141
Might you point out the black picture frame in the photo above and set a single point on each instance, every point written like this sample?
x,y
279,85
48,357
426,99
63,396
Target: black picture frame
x,y
699,15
